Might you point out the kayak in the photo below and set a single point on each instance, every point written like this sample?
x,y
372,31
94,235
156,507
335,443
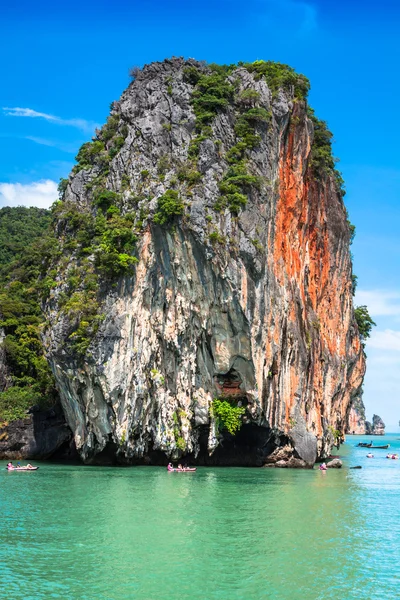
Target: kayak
x,y
21,468
182,470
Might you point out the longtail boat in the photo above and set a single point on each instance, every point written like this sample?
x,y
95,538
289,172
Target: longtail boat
x,y
381,447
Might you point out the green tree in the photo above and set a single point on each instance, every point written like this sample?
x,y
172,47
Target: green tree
x,y
26,247
227,416
364,321
169,205
19,227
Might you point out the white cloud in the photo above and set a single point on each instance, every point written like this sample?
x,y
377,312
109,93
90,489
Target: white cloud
x,y
86,126
38,193
70,148
388,339
379,302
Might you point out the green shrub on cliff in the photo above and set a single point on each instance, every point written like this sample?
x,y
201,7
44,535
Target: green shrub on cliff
x,y
321,152
96,242
169,205
352,230
62,186
113,262
109,130
279,76
211,95
109,236
113,136
16,401
364,321
227,416
105,198
191,74
245,131
186,173
354,283
212,91
82,309
235,181
258,115
116,146
249,96
194,146
91,154
337,435
216,237
238,175
322,161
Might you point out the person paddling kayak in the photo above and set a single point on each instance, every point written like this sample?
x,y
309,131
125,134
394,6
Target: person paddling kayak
x,y
28,467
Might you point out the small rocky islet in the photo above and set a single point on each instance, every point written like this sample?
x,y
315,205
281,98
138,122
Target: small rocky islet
x,y
190,296
357,423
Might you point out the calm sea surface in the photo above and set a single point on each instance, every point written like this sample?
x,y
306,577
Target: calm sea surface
x,y
76,532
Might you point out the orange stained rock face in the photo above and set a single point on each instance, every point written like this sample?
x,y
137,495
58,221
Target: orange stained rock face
x,y
314,263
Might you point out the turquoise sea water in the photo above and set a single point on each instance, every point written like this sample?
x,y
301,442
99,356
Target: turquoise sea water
x,y
76,532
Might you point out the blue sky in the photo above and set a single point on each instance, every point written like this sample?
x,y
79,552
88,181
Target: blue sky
x,y
63,65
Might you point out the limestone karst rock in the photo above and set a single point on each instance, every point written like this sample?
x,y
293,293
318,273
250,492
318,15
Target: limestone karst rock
x,y
204,253
356,418
41,435
377,427
336,463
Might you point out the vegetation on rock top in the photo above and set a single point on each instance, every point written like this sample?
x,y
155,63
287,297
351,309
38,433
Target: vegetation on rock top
x,y
279,77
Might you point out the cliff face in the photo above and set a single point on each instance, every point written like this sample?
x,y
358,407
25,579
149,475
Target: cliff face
x,y
242,287
42,434
356,420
